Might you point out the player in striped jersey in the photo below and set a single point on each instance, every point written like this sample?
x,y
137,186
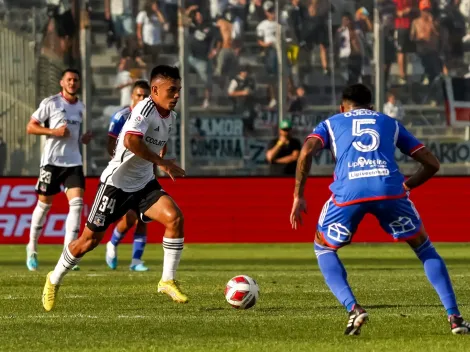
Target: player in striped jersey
x,y
140,90
129,183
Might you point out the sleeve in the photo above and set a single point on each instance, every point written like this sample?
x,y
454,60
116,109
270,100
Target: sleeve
x,y
138,124
141,17
43,112
232,86
260,31
406,142
321,132
116,124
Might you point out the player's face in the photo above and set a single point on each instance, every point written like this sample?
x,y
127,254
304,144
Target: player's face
x,y
166,92
138,95
70,83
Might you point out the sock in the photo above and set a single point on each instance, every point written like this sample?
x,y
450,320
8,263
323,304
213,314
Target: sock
x,y
140,240
66,262
437,274
72,224
172,248
37,222
116,237
335,275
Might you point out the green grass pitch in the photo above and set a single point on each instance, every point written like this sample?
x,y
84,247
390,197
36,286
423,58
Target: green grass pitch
x,y
103,310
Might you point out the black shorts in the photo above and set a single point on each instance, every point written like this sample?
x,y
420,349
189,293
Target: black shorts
x,y
403,41
52,177
318,32
112,203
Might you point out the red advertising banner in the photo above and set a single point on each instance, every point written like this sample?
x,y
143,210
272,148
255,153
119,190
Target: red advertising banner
x,y
242,210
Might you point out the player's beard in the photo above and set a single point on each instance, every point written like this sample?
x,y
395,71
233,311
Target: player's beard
x,y
73,94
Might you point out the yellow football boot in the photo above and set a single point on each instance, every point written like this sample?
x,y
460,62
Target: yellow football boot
x,y
172,289
49,294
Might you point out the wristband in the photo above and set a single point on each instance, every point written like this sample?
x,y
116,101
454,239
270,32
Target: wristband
x,y
406,187
279,143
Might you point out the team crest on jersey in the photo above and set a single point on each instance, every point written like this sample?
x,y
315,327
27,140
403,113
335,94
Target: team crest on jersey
x,y
43,188
99,219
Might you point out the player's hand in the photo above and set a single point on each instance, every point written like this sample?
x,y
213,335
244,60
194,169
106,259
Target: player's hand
x,y
62,131
87,137
172,169
299,206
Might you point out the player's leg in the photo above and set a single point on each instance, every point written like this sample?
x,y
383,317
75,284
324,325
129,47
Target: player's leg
x,y
159,206
122,227
138,247
109,205
401,219
336,227
47,186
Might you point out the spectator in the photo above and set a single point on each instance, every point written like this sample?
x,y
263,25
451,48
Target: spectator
x,y
266,32
128,73
149,31
403,17
61,12
120,13
203,47
387,11
317,29
170,11
256,11
350,41
298,103
454,30
393,107
226,58
283,151
242,90
425,33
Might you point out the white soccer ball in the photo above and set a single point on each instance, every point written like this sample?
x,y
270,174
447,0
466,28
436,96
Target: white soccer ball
x,y
242,292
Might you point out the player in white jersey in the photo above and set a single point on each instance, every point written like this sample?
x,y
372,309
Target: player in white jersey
x,y
61,161
140,91
129,182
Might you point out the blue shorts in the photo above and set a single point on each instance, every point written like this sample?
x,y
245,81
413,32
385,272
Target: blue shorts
x,y
398,217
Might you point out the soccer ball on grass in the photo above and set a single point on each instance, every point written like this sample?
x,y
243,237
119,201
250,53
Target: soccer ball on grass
x,y
242,292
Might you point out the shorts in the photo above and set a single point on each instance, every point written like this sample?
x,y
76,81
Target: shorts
x,y
112,203
318,34
52,177
403,41
397,217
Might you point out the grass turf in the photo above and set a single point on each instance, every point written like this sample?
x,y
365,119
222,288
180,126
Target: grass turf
x,y
103,310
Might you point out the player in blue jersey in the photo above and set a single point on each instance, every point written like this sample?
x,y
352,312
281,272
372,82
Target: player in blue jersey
x,y
367,180
140,90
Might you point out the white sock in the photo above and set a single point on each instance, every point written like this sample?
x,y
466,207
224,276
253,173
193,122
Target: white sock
x,y
37,222
72,224
172,248
66,262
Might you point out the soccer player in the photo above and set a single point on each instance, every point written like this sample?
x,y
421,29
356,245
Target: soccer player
x,y
140,90
368,181
61,161
129,183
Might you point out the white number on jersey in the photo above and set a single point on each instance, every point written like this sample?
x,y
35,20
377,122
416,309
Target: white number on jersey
x,y
104,204
357,130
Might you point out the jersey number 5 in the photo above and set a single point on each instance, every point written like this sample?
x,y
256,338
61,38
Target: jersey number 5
x,y
358,130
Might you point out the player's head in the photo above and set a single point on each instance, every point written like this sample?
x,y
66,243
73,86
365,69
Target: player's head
x,y
356,96
70,81
165,86
140,90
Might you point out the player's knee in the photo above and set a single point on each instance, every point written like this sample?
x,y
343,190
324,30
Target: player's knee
x,y
175,220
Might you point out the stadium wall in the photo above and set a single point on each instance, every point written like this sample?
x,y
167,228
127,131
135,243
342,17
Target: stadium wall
x,y
253,209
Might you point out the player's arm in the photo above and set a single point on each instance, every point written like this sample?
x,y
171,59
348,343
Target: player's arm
x,y
429,166
304,163
411,146
40,116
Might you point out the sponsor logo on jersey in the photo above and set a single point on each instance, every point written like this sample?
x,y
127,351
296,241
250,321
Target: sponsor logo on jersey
x,y
362,162
368,173
138,118
158,142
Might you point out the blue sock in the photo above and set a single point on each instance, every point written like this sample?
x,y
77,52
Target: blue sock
x,y
116,237
335,275
139,244
437,274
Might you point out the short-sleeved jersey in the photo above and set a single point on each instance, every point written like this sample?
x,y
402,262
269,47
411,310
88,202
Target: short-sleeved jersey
x,y
126,170
54,112
117,121
363,143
